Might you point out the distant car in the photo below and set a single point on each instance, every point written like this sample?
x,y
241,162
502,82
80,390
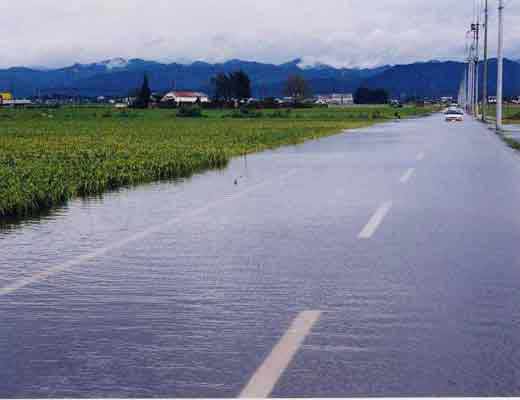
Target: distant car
x,y
454,115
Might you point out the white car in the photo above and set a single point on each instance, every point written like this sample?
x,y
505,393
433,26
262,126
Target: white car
x,y
454,115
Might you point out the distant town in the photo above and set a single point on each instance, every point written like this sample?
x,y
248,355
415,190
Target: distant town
x,y
179,98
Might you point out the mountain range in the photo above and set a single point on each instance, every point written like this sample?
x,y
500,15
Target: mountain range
x,y
118,77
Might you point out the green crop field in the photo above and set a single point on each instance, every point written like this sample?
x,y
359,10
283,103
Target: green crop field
x,y
50,156
511,112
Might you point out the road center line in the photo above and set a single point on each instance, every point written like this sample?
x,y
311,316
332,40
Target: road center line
x,y
372,225
407,175
267,375
420,156
42,275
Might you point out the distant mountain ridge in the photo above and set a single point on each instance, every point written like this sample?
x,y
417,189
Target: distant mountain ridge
x,y
119,76
436,79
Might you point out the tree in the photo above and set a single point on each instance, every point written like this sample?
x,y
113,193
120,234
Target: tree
x,y
297,88
222,87
367,96
144,94
241,85
236,85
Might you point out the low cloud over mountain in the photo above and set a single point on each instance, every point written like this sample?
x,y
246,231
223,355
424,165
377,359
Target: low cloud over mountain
x,y
118,77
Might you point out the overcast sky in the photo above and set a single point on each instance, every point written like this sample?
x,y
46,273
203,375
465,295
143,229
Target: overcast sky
x,y
346,33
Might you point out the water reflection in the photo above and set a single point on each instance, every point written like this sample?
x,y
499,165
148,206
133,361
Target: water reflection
x,y
218,271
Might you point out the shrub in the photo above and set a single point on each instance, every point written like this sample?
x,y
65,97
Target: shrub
x,y
189,112
167,104
512,143
244,112
280,114
126,114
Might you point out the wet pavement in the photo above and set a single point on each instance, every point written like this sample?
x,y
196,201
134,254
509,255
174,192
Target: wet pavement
x,y
184,289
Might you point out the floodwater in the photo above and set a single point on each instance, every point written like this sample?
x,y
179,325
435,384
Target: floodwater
x,y
182,289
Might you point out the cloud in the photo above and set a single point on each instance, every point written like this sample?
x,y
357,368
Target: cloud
x,y
337,32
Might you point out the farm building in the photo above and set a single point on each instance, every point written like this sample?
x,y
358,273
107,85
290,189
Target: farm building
x,y
5,96
15,103
336,99
7,100
186,97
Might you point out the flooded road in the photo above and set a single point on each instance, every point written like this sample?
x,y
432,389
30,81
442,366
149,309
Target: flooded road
x,y
400,241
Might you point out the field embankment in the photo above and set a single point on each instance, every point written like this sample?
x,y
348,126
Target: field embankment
x,y
50,156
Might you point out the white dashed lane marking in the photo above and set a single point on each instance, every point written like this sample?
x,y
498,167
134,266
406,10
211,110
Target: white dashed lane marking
x,y
407,175
376,220
267,375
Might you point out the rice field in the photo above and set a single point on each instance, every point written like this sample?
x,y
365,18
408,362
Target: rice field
x,y
511,112
50,156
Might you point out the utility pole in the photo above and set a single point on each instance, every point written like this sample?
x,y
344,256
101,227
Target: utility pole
x,y
477,59
500,63
485,78
466,78
472,59
471,79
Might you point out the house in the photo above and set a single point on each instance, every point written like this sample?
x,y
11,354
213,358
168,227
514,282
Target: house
x,y
185,97
15,103
5,96
336,99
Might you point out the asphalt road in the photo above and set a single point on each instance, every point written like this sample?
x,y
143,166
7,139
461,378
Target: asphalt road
x,y
378,262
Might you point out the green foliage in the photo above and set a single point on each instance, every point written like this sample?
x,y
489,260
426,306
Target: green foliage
x,y
186,111
241,85
244,112
369,96
280,113
512,143
297,88
236,85
514,116
48,158
144,95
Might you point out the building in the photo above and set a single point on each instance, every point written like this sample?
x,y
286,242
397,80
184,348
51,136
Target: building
x,y
185,97
7,100
336,99
15,103
5,96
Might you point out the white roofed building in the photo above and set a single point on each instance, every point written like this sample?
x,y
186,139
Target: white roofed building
x,y
336,99
185,97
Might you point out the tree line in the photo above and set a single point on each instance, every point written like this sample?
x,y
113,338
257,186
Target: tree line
x,y
237,86
228,87
365,95
232,86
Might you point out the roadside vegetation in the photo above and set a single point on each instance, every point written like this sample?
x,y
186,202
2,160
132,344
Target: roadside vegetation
x,y
50,156
511,112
